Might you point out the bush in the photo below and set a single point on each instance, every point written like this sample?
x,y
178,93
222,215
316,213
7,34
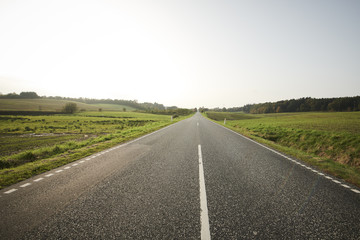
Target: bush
x,y
70,108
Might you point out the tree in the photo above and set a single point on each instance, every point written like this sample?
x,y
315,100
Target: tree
x,y
29,95
70,108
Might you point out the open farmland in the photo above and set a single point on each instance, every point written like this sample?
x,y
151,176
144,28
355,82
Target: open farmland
x,y
33,144
330,141
55,105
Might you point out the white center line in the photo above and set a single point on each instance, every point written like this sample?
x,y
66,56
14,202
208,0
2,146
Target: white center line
x,y
39,179
67,168
49,175
204,217
59,171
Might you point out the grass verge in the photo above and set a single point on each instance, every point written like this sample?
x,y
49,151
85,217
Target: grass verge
x,y
32,162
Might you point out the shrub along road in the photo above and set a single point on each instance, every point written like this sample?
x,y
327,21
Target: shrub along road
x,y
150,188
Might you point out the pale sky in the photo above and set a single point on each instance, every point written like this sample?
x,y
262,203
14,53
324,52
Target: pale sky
x,y
186,53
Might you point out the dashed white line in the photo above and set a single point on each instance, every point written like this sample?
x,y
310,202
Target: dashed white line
x,y
25,185
87,159
10,191
204,217
282,155
355,191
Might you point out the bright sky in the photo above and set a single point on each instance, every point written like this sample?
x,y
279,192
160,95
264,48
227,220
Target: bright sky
x,y
186,53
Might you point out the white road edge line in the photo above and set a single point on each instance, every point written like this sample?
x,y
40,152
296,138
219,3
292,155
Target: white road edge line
x,y
92,157
10,191
25,185
355,191
204,217
335,181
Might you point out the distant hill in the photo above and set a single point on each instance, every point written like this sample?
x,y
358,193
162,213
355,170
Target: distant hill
x,y
54,105
31,101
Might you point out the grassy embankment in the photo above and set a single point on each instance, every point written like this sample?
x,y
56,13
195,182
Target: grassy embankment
x,y
30,145
329,141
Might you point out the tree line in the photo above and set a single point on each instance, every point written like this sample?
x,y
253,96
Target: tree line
x,y
301,105
22,95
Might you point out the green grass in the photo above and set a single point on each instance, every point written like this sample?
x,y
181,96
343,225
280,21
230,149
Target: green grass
x,y
329,141
33,144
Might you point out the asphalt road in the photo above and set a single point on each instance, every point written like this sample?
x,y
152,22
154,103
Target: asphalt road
x,y
191,180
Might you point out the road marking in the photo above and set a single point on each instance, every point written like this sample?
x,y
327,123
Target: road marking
x,y
282,155
25,185
204,217
10,191
197,124
92,157
354,190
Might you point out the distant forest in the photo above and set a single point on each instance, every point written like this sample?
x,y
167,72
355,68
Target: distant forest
x,y
341,104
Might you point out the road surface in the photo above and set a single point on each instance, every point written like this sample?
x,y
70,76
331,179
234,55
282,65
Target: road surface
x,y
192,180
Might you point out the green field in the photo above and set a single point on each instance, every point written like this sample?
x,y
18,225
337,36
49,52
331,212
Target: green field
x,y
54,105
30,145
327,140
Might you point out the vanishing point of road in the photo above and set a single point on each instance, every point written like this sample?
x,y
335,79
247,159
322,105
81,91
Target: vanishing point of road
x,y
192,180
